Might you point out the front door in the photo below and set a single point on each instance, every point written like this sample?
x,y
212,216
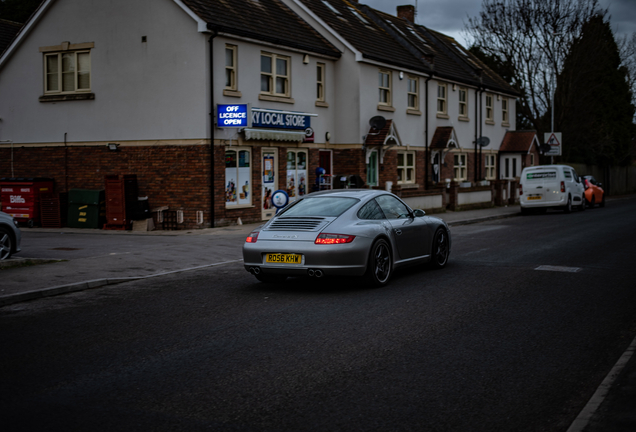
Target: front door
x,y
269,172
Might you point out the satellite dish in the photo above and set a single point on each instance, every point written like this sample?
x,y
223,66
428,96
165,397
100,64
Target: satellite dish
x,y
483,141
377,122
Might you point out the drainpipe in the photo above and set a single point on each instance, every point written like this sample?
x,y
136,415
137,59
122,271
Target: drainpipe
x,y
212,215
426,154
481,125
476,128
65,164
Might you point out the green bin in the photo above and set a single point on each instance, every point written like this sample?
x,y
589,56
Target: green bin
x,y
86,208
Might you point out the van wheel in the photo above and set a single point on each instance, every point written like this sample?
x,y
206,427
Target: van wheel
x,y
568,206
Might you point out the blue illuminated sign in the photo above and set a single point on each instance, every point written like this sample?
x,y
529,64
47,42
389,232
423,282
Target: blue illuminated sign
x,y
232,115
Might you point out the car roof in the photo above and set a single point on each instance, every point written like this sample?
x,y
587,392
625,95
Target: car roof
x,y
349,193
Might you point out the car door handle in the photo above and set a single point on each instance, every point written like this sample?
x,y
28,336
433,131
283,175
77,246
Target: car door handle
x,y
398,232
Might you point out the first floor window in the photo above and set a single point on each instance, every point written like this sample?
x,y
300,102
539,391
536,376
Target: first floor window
x,y
275,75
296,173
460,167
230,67
490,166
385,87
413,93
489,111
504,110
67,72
238,177
372,168
463,102
406,167
320,82
441,98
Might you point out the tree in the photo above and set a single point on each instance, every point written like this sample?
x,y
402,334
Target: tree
x,y
18,10
533,36
593,100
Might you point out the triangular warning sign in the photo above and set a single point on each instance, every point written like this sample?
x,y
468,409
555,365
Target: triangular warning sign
x,y
553,140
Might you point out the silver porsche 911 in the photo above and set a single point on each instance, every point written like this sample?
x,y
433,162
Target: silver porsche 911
x,y
346,232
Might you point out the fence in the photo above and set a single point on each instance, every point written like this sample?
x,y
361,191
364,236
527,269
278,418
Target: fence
x,y
616,180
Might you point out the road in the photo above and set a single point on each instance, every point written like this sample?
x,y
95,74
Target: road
x,y
493,342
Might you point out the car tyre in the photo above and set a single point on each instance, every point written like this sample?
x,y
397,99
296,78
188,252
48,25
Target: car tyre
x,y
267,278
602,201
440,249
593,202
568,207
525,211
6,244
583,203
380,264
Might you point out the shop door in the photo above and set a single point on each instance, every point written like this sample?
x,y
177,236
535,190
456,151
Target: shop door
x,y
296,174
269,168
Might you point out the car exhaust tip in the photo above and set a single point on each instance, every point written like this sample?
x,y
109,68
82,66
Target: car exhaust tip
x,y
311,273
256,270
318,273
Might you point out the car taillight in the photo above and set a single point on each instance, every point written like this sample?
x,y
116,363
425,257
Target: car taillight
x,y
520,189
562,186
252,237
326,238
586,183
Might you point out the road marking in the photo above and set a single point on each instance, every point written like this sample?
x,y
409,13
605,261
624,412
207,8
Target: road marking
x,y
584,417
559,269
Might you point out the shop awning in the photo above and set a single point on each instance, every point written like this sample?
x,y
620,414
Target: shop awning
x,y
274,134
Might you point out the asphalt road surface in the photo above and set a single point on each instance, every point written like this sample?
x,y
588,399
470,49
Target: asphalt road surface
x,y
515,334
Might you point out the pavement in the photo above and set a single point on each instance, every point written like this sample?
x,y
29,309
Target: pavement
x,y
56,261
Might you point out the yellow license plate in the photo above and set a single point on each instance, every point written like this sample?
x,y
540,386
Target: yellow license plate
x,y
283,258
534,198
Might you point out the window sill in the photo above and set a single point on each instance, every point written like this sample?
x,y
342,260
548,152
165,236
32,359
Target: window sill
x,y
464,119
505,124
322,104
67,97
490,122
386,108
270,98
442,116
408,185
238,206
414,112
232,93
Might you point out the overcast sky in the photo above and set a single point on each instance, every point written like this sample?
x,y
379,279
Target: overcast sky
x,y
449,16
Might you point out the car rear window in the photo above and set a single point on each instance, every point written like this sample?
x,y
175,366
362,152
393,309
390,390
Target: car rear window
x,y
321,206
541,175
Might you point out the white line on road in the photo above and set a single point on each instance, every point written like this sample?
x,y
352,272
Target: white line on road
x,y
559,269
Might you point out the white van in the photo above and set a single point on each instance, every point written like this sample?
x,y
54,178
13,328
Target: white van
x,y
550,186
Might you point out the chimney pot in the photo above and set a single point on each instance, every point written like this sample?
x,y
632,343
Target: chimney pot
x,y
407,12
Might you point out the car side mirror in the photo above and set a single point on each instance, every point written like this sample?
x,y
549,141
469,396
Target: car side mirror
x,y
419,213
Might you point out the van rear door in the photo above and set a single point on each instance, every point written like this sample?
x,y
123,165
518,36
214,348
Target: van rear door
x,y
540,185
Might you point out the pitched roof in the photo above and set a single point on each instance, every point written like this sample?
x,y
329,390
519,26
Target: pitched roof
x,y
8,31
264,20
518,141
377,137
443,135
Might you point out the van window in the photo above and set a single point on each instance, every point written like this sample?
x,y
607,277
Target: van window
x,y
567,174
540,175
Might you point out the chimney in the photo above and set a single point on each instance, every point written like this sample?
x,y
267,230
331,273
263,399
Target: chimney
x,y
407,12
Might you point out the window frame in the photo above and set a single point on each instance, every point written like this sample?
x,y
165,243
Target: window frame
x,y
320,81
413,94
460,168
248,176
443,100
490,118
59,54
405,167
386,90
233,69
463,105
505,120
274,75
491,166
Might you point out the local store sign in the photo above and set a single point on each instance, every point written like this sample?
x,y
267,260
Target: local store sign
x,y
280,120
233,115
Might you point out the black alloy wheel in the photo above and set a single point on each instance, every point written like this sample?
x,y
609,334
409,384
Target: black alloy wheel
x,y
440,250
6,244
380,264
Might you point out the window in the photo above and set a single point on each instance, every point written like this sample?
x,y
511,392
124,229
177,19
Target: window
x,y
532,159
441,98
230,67
460,167
463,102
490,166
385,87
392,207
489,111
372,168
504,110
67,71
371,211
238,177
296,174
406,167
413,99
275,75
320,82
